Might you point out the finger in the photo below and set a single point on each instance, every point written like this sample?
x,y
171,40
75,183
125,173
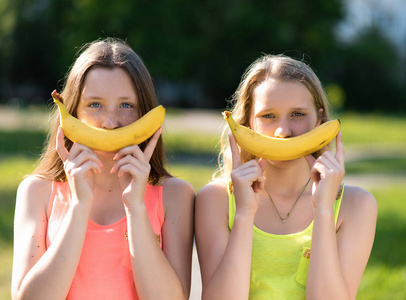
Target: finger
x,y
259,184
310,160
128,159
79,151
340,149
327,161
261,163
149,149
315,172
133,150
235,153
135,171
90,165
60,145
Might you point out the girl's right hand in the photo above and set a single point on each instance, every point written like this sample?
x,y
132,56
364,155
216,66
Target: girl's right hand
x,y
247,179
80,164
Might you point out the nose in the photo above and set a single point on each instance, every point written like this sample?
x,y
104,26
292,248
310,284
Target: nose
x,y
283,129
110,120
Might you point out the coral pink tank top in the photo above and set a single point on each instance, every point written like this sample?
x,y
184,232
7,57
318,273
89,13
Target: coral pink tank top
x,y
104,270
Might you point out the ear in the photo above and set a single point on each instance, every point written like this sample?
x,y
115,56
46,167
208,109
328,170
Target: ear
x,y
319,115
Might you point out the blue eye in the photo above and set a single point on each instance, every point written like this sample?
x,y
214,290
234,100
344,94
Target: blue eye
x,y
126,105
298,114
268,116
95,105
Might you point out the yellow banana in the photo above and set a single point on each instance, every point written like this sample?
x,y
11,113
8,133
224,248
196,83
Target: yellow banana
x,y
283,148
109,140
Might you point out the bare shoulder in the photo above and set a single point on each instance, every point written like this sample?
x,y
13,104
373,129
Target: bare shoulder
x,y
212,200
36,183
34,190
177,191
177,185
214,191
359,198
357,203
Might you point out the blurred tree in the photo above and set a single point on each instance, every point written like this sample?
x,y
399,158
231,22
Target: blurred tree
x,y
208,42
371,74
197,49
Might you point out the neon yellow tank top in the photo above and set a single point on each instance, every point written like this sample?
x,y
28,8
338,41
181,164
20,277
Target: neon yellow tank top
x,y
279,263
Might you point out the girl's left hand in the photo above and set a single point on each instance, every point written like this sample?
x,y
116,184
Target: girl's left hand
x,y
327,174
133,170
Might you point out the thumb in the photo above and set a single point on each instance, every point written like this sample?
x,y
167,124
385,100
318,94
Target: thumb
x,y
260,184
261,163
310,160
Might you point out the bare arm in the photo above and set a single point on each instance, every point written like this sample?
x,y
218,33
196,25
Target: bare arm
x,y
37,273
224,256
170,269
47,274
338,260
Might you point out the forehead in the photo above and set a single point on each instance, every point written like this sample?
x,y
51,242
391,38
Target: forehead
x,y
277,94
101,75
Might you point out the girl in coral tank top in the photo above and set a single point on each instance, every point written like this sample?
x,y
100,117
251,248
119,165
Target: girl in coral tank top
x,y
103,225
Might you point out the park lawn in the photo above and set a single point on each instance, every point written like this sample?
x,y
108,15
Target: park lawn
x,y
372,128
385,276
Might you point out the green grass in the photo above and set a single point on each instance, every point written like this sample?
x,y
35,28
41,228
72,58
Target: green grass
x,y
21,141
191,144
197,175
385,275
387,165
366,128
192,157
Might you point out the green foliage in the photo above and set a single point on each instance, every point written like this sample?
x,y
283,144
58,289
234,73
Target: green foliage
x,y
30,142
372,77
209,42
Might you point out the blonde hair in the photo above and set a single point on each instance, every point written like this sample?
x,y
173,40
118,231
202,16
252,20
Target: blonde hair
x,y
107,53
277,67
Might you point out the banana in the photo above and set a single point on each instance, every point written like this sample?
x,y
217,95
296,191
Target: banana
x,y
109,140
283,148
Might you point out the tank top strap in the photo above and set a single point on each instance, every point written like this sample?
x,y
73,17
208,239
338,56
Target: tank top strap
x,y
231,205
337,203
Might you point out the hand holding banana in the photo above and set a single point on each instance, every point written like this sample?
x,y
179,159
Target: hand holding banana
x,y
283,149
109,140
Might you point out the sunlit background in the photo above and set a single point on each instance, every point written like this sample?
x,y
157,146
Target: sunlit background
x,y
196,52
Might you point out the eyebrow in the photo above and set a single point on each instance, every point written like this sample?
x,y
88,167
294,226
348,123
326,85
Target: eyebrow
x,y
92,97
270,109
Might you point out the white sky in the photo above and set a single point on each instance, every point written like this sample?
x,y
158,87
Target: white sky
x,y
389,15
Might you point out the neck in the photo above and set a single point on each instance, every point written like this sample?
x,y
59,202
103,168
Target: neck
x,y
286,178
105,179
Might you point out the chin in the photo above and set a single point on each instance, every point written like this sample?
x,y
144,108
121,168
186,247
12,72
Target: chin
x,y
105,154
283,163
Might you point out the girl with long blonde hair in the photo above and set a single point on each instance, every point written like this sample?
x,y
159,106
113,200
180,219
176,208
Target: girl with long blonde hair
x,y
270,229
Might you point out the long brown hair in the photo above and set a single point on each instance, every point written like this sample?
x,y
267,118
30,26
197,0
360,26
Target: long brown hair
x,y
279,67
106,53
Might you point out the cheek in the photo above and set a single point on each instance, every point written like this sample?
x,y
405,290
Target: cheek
x,y
90,119
262,127
128,118
300,128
